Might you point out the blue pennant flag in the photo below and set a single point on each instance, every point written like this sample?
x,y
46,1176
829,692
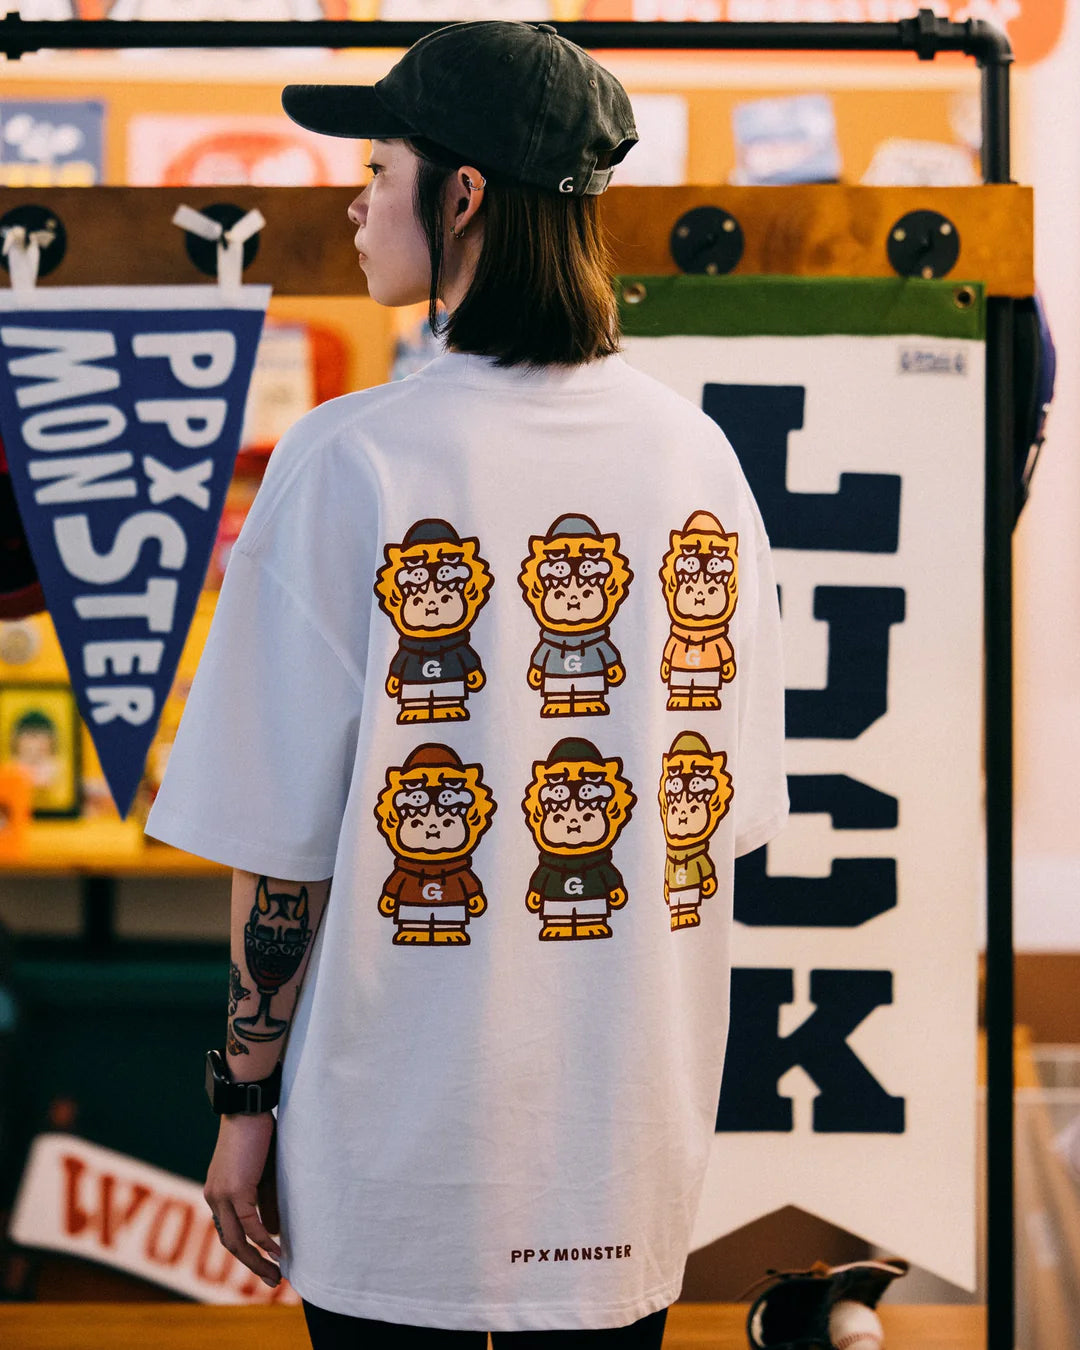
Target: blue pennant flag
x,y
121,411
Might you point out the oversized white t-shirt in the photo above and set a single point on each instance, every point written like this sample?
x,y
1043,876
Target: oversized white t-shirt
x,y
499,652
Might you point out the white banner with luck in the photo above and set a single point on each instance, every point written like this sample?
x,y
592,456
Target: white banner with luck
x,y
850,1077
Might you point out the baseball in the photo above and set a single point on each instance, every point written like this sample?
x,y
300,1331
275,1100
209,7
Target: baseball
x,y
854,1326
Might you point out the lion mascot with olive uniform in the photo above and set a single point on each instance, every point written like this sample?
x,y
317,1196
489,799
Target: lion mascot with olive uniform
x,y
695,796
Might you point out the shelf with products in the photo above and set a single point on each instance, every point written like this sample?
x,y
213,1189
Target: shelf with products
x,y
201,118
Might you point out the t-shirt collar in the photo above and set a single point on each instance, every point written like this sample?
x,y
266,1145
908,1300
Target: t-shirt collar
x,y
481,372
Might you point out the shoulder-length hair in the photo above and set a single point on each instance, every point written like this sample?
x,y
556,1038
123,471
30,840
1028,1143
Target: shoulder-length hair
x,y
542,294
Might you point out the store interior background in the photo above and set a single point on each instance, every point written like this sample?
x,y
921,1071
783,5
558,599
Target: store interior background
x,y
169,118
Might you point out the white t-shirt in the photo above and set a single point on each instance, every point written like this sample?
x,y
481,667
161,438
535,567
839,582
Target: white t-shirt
x,y
499,651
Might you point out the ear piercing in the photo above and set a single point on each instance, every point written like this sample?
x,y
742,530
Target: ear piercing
x,y
460,234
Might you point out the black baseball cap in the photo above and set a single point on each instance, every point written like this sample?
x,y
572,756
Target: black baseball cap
x,y
515,97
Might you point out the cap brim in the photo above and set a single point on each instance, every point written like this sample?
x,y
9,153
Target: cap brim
x,y
343,110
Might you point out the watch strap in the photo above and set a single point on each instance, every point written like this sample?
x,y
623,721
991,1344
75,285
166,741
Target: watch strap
x,y
231,1098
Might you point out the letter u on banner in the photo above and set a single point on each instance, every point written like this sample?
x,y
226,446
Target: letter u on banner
x,y
856,410
121,410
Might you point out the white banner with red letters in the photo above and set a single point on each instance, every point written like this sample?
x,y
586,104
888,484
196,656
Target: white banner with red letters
x,y
103,1206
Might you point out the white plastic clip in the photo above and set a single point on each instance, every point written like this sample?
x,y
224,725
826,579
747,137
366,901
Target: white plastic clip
x,y
230,242
22,248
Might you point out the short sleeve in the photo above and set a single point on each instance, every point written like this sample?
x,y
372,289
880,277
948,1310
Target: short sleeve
x,y
761,797
259,773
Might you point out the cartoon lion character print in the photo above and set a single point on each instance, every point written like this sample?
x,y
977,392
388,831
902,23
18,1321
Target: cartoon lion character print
x,y
700,576
576,805
574,580
431,587
695,796
432,813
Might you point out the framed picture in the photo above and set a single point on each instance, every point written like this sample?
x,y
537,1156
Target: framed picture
x,y
39,731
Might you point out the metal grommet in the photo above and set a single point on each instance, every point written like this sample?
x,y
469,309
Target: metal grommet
x,y
634,293
963,297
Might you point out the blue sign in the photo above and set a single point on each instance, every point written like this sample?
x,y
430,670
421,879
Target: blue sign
x,y
786,140
121,411
51,143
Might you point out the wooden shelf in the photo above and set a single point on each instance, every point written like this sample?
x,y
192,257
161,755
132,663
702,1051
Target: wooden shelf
x,y
176,1326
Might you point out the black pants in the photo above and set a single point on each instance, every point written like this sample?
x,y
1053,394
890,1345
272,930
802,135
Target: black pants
x,y
338,1331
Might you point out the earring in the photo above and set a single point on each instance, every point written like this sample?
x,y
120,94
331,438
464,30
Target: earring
x,y
458,234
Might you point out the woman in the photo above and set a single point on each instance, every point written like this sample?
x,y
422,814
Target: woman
x,y
499,1090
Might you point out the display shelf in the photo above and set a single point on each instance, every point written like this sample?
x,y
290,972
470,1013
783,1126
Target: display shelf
x,y
104,848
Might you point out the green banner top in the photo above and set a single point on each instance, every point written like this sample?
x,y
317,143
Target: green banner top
x,y
702,306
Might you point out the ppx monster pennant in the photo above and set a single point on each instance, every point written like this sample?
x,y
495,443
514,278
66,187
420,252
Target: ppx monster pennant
x,y
121,411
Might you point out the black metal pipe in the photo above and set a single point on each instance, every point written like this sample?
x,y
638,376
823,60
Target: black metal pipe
x,y
925,35
998,677
996,133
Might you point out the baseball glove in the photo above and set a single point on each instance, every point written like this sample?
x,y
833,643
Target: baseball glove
x,y
792,1313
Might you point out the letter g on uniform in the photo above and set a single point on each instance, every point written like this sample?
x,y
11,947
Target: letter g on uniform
x,y
432,669
573,663
574,886
432,891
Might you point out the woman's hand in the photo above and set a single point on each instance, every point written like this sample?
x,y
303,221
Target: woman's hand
x,y
232,1188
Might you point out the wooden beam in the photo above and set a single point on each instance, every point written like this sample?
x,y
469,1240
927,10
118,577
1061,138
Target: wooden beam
x,y
124,236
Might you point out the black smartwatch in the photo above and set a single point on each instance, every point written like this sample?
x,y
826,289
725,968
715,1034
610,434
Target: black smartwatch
x,y
230,1098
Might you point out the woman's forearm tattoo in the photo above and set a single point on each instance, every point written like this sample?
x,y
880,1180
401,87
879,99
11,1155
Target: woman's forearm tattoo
x,y
276,937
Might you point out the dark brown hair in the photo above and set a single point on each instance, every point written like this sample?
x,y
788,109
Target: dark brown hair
x,y
542,294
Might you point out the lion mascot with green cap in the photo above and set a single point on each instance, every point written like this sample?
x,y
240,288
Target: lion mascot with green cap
x,y
576,805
